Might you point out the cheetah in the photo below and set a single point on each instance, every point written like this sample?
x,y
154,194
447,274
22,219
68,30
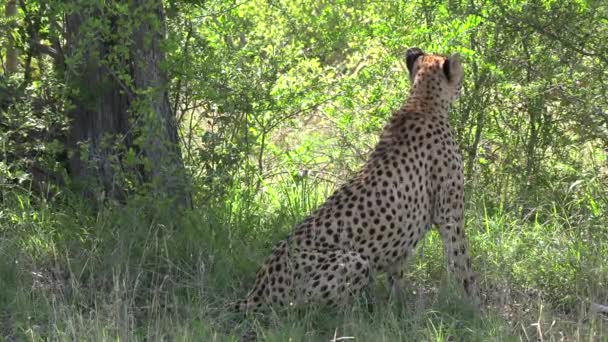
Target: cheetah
x,y
412,181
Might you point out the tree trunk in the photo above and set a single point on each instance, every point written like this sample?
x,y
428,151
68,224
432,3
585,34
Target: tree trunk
x,y
108,114
99,115
12,54
160,129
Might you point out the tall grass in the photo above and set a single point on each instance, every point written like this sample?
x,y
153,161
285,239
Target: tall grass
x,y
142,272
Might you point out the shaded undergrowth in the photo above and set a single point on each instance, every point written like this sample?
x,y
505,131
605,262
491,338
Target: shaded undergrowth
x,y
144,272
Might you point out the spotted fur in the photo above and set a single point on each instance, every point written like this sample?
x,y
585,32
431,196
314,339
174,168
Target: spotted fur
x,y
412,181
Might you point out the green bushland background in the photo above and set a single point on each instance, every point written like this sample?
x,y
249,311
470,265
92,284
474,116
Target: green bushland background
x,y
276,104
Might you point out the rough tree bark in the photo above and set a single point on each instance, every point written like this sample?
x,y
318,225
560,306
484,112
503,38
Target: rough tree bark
x,y
108,115
160,130
12,54
99,110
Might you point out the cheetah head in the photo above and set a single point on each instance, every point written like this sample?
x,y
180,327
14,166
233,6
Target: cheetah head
x,y
438,74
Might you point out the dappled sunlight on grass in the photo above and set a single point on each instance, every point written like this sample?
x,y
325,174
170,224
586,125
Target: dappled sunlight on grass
x,y
127,276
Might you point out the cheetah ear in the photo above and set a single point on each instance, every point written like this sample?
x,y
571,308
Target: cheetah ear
x,y
412,55
452,68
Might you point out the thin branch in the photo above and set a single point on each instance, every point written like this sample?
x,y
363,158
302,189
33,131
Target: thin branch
x,y
179,81
130,94
225,10
543,31
599,308
45,49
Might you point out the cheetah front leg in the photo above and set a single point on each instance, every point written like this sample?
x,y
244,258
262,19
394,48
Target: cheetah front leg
x,y
459,260
450,221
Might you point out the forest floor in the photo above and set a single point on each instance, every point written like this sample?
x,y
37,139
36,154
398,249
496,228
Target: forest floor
x,y
140,272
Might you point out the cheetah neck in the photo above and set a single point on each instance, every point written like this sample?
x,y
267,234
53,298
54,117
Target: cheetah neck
x,y
425,101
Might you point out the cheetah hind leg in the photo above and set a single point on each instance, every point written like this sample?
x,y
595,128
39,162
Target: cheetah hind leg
x,y
331,277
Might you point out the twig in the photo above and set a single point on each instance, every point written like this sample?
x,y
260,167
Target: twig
x,y
538,324
599,308
225,10
343,338
130,94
